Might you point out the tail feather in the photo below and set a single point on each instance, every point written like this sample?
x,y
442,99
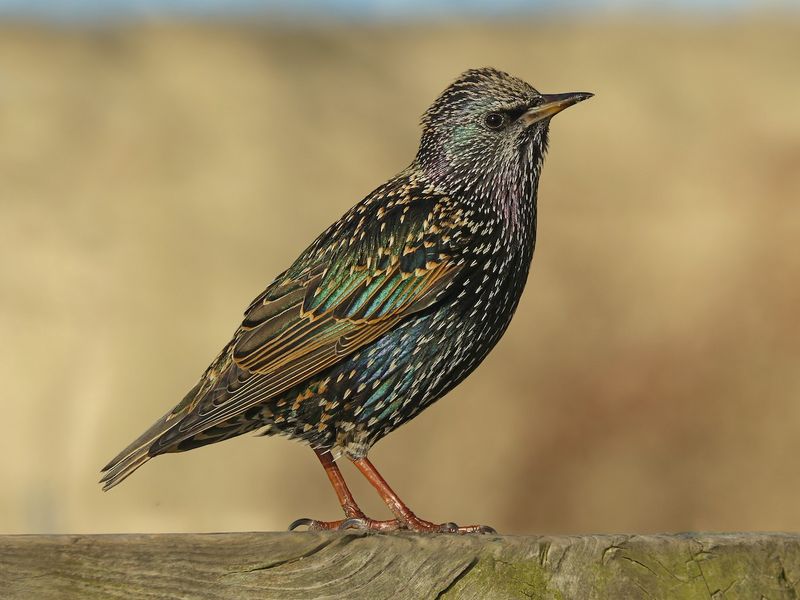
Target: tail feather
x,y
141,449
137,453
122,470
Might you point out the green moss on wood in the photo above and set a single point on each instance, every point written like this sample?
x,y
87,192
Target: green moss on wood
x,y
357,565
491,578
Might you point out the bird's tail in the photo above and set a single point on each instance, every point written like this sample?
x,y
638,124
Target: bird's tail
x,y
141,450
144,447
137,453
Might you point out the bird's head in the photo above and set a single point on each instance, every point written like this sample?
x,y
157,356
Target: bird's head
x,y
488,129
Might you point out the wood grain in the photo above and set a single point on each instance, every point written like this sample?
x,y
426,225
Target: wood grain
x,y
361,565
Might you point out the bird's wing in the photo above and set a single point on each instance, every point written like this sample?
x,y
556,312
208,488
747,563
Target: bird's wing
x,y
390,264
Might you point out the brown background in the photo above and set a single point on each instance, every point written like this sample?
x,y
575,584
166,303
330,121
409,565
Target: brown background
x,y
154,178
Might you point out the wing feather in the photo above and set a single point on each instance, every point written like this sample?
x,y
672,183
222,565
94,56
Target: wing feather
x,y
312,317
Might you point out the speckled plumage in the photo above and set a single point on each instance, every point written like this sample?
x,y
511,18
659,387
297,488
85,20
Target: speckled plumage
x,y
396,302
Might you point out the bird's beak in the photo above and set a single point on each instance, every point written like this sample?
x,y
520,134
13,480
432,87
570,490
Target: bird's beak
x,y
553,103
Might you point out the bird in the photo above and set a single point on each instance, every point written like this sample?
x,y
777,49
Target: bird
x,y
390,307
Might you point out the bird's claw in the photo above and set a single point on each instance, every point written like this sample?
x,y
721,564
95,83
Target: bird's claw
x,y
479,529
361,523
301,522
354,523
421,526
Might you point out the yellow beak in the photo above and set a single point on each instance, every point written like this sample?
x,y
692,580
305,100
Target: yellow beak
x,y
554,103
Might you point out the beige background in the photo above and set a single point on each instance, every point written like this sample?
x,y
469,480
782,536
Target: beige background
x,y
153,179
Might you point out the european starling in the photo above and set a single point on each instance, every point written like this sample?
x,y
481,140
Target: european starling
x,y
390,307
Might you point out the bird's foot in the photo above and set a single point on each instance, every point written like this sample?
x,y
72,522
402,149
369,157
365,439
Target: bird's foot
x,y
361,522
406,521
413,523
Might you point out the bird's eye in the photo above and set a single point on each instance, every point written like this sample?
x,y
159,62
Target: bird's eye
x,y
495,120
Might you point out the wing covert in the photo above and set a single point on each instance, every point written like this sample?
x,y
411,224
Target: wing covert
x,y
320,311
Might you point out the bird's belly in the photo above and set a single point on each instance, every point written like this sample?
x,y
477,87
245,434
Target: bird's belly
x,y
358,401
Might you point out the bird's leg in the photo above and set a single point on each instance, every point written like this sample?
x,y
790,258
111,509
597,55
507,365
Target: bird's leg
x,y
349,506
406,519
353,514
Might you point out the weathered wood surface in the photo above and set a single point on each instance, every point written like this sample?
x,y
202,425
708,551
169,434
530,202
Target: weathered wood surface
x,y
359,565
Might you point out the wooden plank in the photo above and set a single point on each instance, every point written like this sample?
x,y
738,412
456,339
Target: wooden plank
x,y
372,566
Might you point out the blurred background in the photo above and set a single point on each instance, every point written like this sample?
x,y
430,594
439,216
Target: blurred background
x,y
160,162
